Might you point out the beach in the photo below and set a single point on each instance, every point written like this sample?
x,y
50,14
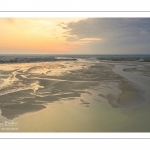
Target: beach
x,y
85,95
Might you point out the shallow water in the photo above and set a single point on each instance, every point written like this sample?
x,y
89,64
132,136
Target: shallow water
x,y
53,100
138,120
141,81
71,116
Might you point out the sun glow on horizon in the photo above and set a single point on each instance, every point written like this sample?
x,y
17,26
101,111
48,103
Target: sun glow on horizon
x,y
40,35
74,35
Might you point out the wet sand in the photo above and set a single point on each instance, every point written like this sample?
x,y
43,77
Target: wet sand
x,y
67,96
140,68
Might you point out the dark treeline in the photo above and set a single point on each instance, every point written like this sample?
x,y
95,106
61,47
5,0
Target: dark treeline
x,y
31,58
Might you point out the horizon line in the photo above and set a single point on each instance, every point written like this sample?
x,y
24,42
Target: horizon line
x,y
71,54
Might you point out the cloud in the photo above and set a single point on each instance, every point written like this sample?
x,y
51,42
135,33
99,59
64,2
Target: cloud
x,y
115,33
108,27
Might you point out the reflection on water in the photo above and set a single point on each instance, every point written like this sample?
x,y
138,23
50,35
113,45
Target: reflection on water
x,y
141,81
30,87
72,96
71,116
132,76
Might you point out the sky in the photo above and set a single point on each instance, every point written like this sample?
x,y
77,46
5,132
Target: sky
x,y
74,35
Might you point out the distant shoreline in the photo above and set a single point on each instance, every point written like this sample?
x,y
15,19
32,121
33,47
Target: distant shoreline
x,y
31,58
34,61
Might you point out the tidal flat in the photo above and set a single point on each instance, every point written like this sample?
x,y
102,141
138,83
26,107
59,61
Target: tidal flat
x,y
84,95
